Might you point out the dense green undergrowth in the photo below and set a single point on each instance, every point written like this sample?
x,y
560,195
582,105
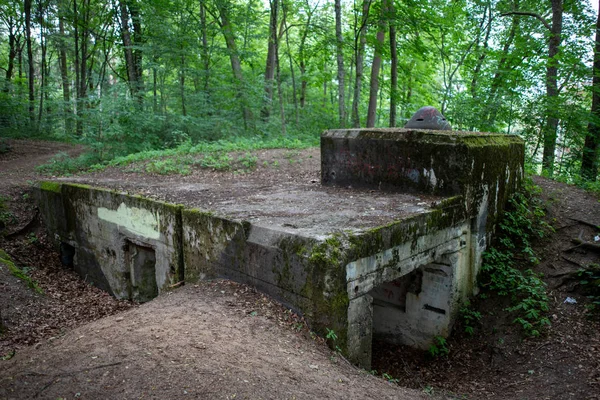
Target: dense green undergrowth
x,y
507,266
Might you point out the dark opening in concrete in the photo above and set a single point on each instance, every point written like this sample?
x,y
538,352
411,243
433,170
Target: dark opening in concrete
x,y
67,254
140,262
390,320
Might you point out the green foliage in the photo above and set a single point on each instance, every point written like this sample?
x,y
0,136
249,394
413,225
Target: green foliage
x,y
439,347
332,337
470,318
6,261
589,280
521,224
63,164
389,378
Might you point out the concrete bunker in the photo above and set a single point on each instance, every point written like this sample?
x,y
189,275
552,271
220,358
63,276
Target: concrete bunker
x,y
392,257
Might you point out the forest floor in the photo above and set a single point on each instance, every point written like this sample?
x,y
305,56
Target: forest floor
x,y
224,340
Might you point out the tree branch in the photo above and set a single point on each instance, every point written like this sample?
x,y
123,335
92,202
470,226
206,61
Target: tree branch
x,y
529,14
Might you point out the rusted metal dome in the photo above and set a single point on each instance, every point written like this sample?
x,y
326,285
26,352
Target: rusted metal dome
x,y
428,118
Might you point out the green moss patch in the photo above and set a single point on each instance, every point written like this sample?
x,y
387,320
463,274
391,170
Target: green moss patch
x,y
5,260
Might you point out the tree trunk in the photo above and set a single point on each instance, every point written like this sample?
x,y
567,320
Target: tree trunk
x,y
280,93
136,21
128,49
360,41
291,61
271,61
375,67
43,68
394,70
182,84
589,159
550,130
492,108
339,45
483,55
12,52
204,54
31,72
62,61
236,65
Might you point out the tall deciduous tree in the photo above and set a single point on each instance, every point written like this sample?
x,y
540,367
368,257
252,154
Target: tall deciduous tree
x,y
589,160
339,46
30,61
376,66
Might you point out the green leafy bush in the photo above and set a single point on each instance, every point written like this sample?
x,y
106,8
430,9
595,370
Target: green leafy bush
x,y
521,224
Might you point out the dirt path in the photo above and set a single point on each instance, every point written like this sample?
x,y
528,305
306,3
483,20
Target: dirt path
x,y
18,166
213,340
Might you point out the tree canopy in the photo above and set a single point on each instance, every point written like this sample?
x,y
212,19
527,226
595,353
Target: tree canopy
x,y
125,76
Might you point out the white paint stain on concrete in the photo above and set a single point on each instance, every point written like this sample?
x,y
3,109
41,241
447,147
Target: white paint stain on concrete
x,y
136,220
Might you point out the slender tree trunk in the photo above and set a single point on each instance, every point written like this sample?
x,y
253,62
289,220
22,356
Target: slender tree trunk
x,y
182,85
62,60
236,65
280,93
204,54
128,49
291,62
154,91
302,54
375,67
589,159
499,74
136,21
483,55
12,52
394,70
550,130
271,60
339,45
360,41
31,72
43,68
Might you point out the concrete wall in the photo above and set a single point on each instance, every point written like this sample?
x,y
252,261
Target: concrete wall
x,y
115,239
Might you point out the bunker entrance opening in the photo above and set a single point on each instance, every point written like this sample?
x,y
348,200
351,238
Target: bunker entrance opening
x,y
414,308
390,319
140,263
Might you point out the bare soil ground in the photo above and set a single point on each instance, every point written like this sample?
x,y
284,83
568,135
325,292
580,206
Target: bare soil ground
x,y
224,340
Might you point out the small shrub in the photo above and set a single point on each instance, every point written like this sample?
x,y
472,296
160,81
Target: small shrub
x,y
439,347
470,317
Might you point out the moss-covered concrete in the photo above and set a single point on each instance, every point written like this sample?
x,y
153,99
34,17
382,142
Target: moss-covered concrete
x,y
109,231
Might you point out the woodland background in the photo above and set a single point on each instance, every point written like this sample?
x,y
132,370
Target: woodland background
x,y
140,77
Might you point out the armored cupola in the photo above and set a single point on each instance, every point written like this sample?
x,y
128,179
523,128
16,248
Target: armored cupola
x,y
428,118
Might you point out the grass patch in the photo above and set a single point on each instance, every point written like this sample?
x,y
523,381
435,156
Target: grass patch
x,y
180,159
18,273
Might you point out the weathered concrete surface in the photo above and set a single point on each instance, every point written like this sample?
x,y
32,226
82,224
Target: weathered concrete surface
x,y
388,264
126,245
